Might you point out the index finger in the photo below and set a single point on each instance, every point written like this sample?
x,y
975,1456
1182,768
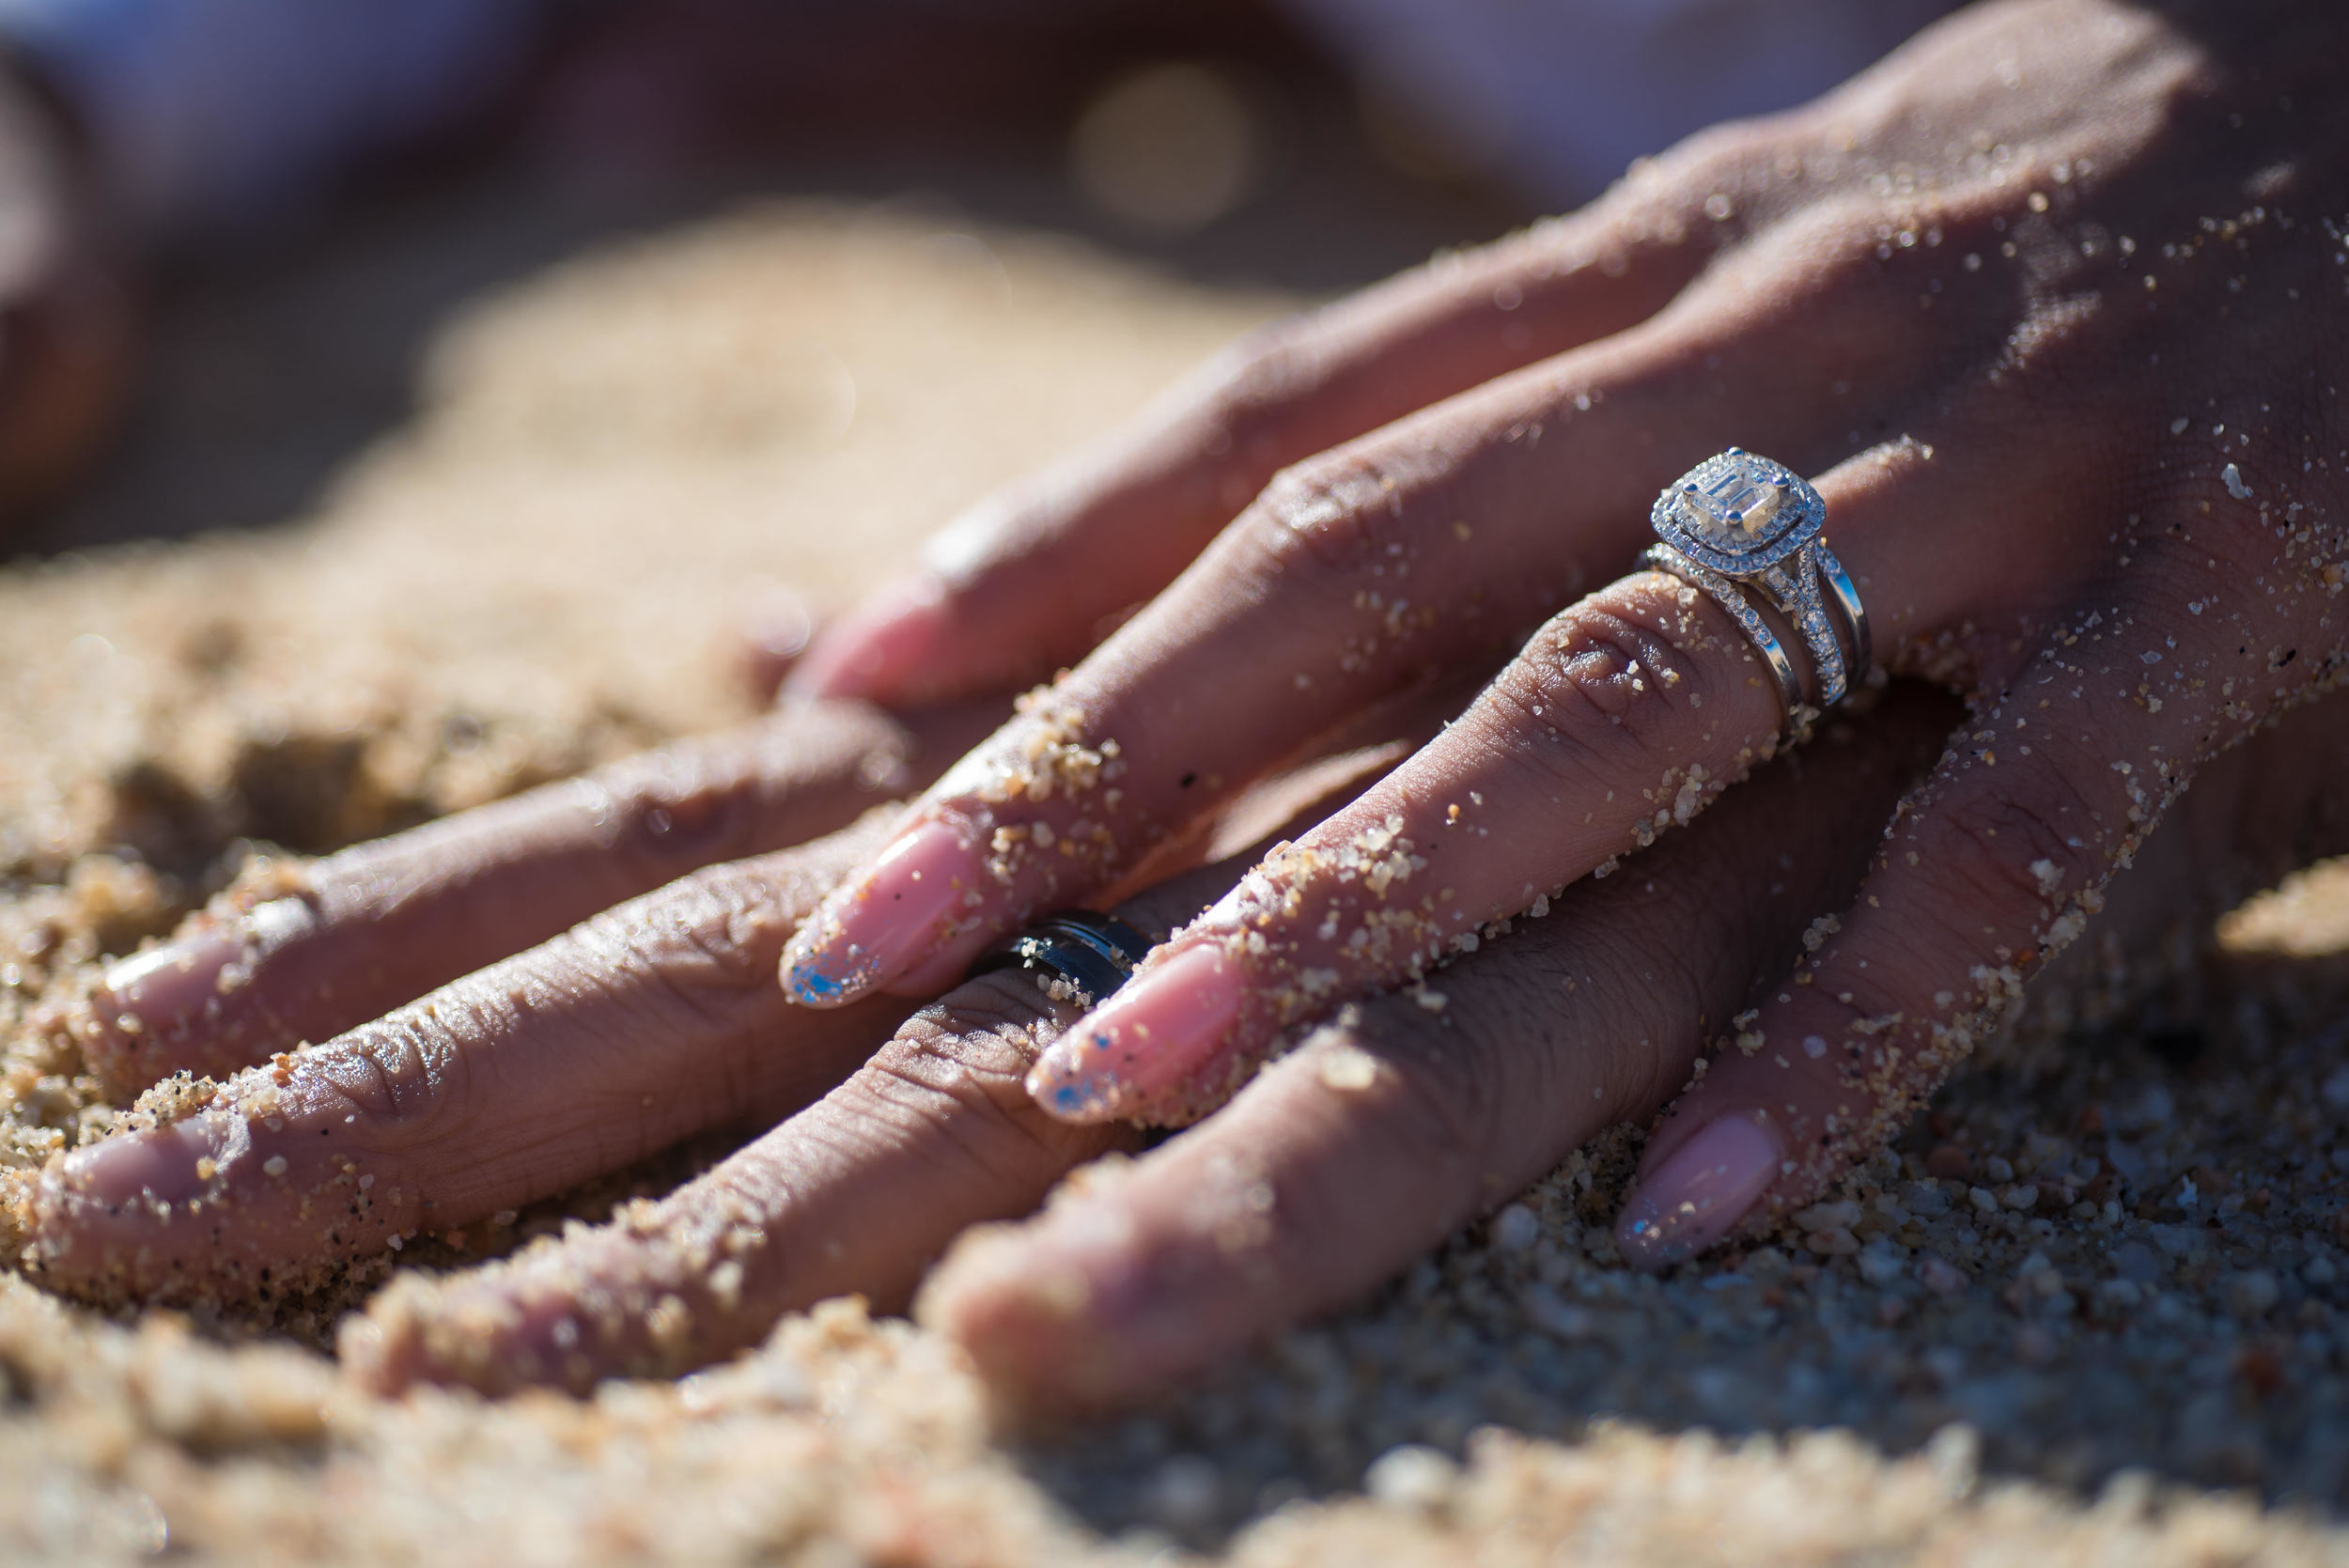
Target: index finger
x,y
1023,583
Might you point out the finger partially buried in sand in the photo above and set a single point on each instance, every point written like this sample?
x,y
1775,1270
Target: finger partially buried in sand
x,y
651,1023
304,953
1368,1149
856,1194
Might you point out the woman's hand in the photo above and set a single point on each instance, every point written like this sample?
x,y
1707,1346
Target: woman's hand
x,y
2052,300
892,1133
1332,1170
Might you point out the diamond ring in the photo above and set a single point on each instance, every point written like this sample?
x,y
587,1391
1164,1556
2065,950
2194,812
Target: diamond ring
x,y
1739,520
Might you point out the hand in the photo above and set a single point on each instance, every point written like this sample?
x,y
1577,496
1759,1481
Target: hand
x,y
2049,298
1332,1170
659,1018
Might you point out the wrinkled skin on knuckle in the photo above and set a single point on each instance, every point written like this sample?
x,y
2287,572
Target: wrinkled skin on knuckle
x,y
1602,667
709,942
676,809
1569,1049
1250,389
957,1072
1317,524
2016,851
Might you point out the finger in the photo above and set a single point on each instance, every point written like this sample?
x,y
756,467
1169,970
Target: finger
x,y
637,1028
1999,860
1622,719
1355,575
304,954
1023,583
859,1193
1350,1157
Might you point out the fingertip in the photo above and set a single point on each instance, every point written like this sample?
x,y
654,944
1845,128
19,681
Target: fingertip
x,y
1148,1044
1028,1314
1698,1192
876,650
876,929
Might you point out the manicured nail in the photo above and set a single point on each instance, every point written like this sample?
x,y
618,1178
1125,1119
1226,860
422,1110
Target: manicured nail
x,y
166,1165
1147,1041
1702,1189
176,985
878,926
867,652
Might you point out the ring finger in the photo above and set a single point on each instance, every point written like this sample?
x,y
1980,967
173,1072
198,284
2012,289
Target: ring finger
x,y
1622,718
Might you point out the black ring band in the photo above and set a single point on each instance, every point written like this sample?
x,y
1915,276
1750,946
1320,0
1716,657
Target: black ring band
x,y
1094,953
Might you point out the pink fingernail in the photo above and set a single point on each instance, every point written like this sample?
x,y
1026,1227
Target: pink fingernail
x,y
173,986
1146,1041
1702,1189
875,929
867,652
162,1165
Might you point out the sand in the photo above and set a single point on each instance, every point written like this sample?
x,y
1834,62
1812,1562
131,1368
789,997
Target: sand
x,y
2093,1311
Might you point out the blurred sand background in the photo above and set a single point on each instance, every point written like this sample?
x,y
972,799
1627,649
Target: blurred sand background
x,y
479,484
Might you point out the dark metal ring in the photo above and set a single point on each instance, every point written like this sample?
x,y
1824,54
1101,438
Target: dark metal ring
x,y
1093,953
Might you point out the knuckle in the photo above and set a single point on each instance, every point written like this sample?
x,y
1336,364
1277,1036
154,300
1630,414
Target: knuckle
x,y
395,1080
960,1073
1594,670
681,806
2012,848
1322,517
970,1103
1253,385
705,945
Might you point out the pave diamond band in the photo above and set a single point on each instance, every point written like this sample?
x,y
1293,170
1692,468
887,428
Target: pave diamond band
x,y
1739,520
1734,604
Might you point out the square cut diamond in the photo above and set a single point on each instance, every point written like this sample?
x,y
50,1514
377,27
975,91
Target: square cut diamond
x,y
1733,507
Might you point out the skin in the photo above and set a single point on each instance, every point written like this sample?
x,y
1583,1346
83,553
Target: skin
x,y
2038,546
2055,295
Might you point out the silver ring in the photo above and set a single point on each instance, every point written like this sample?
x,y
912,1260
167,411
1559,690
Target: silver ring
x,y
1744,521
1094,953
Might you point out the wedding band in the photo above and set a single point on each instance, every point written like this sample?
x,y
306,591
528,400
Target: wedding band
x,y
1739,521
1724,593
1094,953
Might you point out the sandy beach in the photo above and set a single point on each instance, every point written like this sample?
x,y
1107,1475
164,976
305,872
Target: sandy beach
x,y
2095,1309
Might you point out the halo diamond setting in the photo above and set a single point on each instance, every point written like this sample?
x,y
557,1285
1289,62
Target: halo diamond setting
x,y
1738,521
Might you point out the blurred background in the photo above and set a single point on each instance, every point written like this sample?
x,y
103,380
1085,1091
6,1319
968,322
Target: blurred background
x,y
213,367
225,225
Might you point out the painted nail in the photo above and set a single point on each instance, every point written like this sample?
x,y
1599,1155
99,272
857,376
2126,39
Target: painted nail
x,y
869,652
166,1165
1702,1189
878,926
171,986
1144,1042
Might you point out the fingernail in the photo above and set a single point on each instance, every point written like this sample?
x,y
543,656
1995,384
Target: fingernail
x,y
872,930
1144,1042
1702,1189
164,1165
172,985
867,652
